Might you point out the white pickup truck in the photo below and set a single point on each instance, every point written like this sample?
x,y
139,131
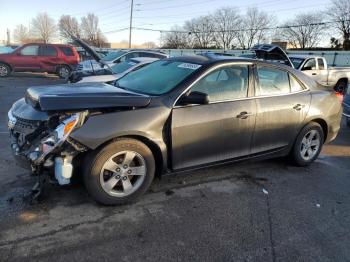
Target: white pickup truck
x,y
316,67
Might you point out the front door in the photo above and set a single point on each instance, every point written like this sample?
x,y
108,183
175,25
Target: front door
x,y
282,105
26,59
220,130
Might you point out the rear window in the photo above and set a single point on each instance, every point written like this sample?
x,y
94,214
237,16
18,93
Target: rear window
x,y
48,51
67,51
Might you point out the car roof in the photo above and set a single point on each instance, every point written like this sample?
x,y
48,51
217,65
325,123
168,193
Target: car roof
x,y
142,50
204,59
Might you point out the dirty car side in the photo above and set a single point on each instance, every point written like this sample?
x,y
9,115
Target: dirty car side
x,y
53,125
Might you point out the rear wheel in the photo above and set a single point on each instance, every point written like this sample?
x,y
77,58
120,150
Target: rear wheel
x,y
308,144
348,121
4,70
120,172
64,71
341,87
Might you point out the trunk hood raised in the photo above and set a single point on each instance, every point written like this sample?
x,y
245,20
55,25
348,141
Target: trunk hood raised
x,y
83,96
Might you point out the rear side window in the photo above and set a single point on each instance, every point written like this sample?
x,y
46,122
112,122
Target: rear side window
x,y
295,86
48,51
30,50
272,82
320,64
67,51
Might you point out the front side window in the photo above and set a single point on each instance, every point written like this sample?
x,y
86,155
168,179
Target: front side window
x,y
310,65
157,78
225,83
272,82
30,50
48,51
67,51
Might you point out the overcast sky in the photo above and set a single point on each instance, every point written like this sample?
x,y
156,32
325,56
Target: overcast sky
x,y
155,14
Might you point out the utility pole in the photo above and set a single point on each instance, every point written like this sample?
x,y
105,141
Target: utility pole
x,y
8,37
130,28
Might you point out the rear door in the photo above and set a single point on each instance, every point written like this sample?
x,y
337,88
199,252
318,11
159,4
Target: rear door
x,y
220,130
282,104
26,59
48,58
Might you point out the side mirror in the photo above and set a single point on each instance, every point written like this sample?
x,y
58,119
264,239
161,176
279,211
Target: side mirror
x,y
197,98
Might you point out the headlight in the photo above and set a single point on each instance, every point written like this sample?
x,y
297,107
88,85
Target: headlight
x,y
67,126
56,139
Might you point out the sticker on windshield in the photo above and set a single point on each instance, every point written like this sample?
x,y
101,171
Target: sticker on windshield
x,y
189,66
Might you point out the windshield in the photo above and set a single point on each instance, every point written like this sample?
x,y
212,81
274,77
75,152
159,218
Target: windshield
x,y
297,61
157,78
123,66
112,56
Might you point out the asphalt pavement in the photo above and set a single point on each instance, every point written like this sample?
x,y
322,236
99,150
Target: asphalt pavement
x,y
250,211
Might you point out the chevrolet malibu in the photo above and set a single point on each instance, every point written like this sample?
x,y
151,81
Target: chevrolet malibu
x,y
174,115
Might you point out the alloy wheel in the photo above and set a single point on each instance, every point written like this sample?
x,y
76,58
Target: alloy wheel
x,y
310,145
3,70
123,173
64,72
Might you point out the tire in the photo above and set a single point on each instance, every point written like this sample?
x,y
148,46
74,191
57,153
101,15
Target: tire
x,y
123,158
5,70
341,87
64,72
299,156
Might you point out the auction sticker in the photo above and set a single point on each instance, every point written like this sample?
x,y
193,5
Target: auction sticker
x,y
189,66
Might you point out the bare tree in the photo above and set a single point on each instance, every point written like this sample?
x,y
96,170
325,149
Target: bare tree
x,y
202,29
91,31
177,38
226,23
339,11
304,31
69,27
43,27
21,34
253,27
150,45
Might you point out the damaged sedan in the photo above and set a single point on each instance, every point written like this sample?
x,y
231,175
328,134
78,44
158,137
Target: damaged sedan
x,y
174,115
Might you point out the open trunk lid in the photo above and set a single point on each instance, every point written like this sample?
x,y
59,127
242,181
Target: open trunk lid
x,y
271,53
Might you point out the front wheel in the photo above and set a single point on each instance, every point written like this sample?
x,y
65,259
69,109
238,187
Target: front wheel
x,y
64,71
120,172
308,144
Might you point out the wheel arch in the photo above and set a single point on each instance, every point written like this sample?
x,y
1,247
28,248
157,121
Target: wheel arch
x,y
324,126
1,62
160,156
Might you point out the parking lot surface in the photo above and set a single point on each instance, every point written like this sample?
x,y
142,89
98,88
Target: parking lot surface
x,y
252,211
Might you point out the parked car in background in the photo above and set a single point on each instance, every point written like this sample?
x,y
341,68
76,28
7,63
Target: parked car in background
x,y
51,58
346,106
118,70
119,56
316,67
173,115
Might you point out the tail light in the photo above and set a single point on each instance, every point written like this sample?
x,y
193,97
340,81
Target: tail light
x,y
340,96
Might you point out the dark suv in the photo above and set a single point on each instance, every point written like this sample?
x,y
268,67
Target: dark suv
x,y
51,58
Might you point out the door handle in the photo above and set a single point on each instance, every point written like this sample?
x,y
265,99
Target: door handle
x,y
244,115
314,74
298,107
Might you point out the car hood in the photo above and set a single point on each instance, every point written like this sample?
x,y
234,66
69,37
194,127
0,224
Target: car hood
x,y
99,78
271,53
82,96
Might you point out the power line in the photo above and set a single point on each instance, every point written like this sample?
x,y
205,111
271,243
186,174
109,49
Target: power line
x,y
241,30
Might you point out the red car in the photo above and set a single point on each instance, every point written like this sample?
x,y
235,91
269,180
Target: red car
x,y
51,58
